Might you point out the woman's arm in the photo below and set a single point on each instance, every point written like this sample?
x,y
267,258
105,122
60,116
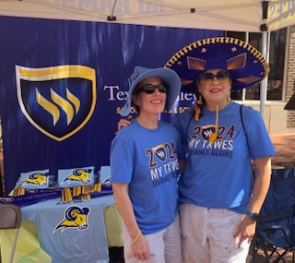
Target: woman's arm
x,y
124,123
262,168
139,244
182,164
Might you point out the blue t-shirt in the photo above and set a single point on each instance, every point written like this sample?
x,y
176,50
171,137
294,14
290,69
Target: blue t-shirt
x,y
148,160
220,174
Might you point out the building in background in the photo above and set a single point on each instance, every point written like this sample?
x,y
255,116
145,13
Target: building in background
x,y
281,79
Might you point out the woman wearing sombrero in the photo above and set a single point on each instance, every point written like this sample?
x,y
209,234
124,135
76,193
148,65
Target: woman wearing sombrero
x,y
220,199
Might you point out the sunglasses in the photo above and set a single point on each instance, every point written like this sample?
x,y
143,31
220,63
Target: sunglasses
x,y
220,75
150,89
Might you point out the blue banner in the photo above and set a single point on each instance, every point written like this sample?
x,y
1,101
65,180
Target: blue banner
x,y
63,84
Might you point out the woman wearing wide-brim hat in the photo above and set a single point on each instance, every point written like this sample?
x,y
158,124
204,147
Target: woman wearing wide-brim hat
x,y
144,170
220,199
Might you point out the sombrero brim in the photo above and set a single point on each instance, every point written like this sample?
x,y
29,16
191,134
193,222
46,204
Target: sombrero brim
x,y
246,64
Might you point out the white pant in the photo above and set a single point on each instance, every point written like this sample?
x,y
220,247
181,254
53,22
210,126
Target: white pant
x,y
208,235
165,245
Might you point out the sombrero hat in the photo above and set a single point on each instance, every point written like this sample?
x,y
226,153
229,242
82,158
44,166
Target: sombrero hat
x,y
246,64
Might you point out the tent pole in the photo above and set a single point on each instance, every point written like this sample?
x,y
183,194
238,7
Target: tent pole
x,y
263,86
265,48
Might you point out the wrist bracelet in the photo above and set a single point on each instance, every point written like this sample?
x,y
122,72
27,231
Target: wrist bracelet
x,y
135,239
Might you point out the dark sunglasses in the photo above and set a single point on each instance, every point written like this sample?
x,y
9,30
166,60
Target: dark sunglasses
x,y
150,89
220,75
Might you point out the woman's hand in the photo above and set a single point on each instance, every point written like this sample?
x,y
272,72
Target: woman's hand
x,y
141,249
245,230
124,123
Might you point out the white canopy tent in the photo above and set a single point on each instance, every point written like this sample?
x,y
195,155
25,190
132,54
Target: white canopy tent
x,y
231,15
237,15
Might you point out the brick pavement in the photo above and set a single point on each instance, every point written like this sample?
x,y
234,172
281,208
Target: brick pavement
x,y
285,148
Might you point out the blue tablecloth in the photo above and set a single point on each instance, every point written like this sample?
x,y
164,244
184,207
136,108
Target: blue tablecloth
x,y
72,232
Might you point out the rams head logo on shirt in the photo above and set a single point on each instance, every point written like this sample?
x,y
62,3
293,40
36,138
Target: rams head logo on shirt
x,y
75,217
79,175
36,179
59,100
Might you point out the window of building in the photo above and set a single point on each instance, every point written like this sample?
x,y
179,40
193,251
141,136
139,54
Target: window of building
x,y
276,63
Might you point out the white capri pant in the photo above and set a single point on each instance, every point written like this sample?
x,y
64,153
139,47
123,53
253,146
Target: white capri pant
x,y
208,235
165,245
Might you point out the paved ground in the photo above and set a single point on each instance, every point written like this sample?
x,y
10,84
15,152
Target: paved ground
x,y
260,258
285,148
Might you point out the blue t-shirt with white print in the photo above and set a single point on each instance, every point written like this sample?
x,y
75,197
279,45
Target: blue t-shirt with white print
x,y
219,174
147,159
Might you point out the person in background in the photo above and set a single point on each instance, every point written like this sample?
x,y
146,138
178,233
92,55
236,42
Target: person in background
x,y
220,198
145,168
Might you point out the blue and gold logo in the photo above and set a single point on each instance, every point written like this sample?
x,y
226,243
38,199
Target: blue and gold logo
x,y
75,217
79,175
207,131
6,200
59,100
36,179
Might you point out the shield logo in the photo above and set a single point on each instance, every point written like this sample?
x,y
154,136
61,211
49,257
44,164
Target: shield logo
x,y
59,100
207,131
160,152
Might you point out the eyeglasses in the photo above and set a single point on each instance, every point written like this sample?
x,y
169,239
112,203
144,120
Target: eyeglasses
x,y
150,89
220,75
